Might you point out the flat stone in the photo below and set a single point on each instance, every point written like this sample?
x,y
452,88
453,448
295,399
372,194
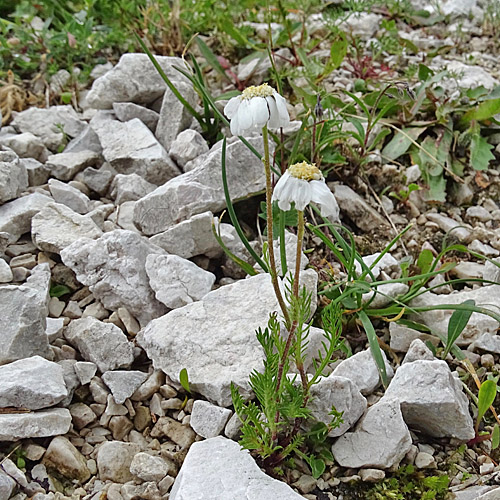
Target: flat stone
x,y
62,457
9,467
65,166
114,459
56,227
31,383
85,370
174,117
218,468
131,147
380,440
148,467
432,400
13,176
102,343
113,267
69,196
488,342
340,393
208,420
42,423
371,475
37,173
201,189
50,124
82,415
214,338
471,76
355,207
134,79
23,310
123,383
126,111
179,433
97,180
177,281
16,215
130,188
362,370
26,145
188,145
451,226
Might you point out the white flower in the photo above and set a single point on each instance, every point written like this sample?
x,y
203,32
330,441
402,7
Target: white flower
x,y
302,184
256,107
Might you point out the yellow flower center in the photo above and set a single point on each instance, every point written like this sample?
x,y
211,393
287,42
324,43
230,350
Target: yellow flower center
x,y
263,90
305,171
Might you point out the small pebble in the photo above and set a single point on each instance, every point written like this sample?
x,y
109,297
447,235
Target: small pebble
x,y
487,360
425,461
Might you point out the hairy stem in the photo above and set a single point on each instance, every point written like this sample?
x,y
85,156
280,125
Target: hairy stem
x,y
269,207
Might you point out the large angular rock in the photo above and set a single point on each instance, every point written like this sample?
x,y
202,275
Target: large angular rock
x,y
123,383
102,343
16,215
70,196
402,336
56,227
7,485
13,176
134,79
114,459
201,189
113,267
43,423
23,310
218,468
432,400
362,370
187,146
380,440
478,324
126,111
131,147
64,166
340,393
32,383
214,338
50,124
26,145
62,457
177,281
130,188
174,117
208,420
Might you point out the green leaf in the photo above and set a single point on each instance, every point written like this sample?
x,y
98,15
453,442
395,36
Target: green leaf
x,y
317,466
338,51
66,97
21,463
480,152
458,322
184,380
236,35
290,217
485,398
59,290
495,437
424,72
483,111
401,142
210,57
425,260
437,189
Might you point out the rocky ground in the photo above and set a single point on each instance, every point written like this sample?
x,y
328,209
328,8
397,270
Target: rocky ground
x,y
112,283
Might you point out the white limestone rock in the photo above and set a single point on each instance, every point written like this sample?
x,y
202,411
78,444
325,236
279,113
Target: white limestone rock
x,y
70,196
387,264
134,79
488,342
102,343
471,76
214,338
218,468
42,423
362,370
85,371
402,336
32,383
177,281
56,227
174,117
486,296
5,272
61,456
341,393
130,188
23,310
148,467
113,267
7,485
384,294
26,145
187,146
362,24
37,173
126,111
432,400
380,440
13,176
123,383
64,166
131,147
201,189
418,350
208,420
16,215
46,123
114,459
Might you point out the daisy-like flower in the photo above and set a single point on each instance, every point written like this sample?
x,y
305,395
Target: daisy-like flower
x,y
303,183
255,108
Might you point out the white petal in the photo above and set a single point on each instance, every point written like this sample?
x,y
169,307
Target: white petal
x,y
259,111
234,125
322,195
232,106
282,111
302,194
274,117
244,117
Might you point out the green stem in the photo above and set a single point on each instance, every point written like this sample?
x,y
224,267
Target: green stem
x,y
284,265
269,207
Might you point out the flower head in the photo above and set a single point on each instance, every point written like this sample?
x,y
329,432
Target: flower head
x,y
255,108
302,184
